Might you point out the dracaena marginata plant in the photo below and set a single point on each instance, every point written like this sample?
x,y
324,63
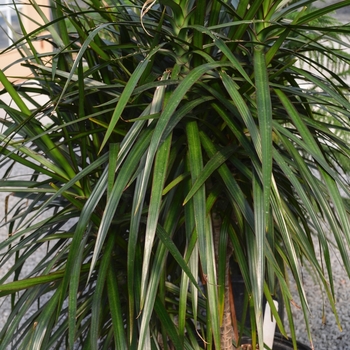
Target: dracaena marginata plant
x,y
176,136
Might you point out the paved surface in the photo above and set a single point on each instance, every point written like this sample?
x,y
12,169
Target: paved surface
x,y
343,14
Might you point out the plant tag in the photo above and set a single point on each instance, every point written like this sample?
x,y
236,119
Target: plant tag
x,y
269,326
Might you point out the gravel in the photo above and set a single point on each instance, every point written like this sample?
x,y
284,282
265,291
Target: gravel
x,y
323,326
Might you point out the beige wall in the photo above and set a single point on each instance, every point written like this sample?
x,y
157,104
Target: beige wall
x,y
17,71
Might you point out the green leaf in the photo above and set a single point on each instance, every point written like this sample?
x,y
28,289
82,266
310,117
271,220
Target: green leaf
x,y
97,300
196,167
256,254
235,192
19,285
243,109
116,310
124,97
264,111
168,323
225,50
74,282
168,243
160,170
213,164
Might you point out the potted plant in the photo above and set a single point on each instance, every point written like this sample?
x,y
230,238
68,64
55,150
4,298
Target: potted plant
x,y
177,137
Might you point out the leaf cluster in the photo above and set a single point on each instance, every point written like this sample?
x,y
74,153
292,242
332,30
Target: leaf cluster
x,y
161,119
